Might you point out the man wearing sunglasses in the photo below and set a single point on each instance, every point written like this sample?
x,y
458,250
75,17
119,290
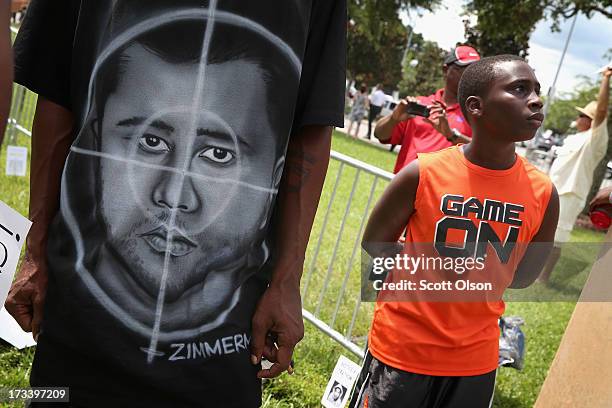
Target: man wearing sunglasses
x,y
445,125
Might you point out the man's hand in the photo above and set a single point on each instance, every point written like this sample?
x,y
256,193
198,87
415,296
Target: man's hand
x,y
602,197
399,113
26,297
51,138
277,322
437,119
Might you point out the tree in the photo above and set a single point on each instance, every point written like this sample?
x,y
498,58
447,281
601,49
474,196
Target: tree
x,y
504,27
377,38
426,76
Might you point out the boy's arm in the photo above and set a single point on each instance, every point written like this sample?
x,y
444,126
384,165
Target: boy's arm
x,y
540,246
392,212
51,139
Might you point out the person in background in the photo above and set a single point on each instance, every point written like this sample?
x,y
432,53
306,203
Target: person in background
x,y
603,196
445,125
377,100
358,111
6,65
572,170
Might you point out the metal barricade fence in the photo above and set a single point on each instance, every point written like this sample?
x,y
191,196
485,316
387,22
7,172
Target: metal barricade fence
x,y
331,285
21,114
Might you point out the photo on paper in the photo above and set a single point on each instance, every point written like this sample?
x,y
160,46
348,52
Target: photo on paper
x,y
16,160
343,377
336,394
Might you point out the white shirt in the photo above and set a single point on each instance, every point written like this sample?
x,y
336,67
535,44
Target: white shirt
x,y
572,171
378,98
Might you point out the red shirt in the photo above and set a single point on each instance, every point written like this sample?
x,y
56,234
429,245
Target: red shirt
x,y
417,136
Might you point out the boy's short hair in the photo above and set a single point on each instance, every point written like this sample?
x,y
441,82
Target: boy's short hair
x,y
478,77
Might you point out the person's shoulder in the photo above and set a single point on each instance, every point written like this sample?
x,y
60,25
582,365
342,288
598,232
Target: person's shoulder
x,y
535,175
529,167
439,160
440,154
426,98
600,128
437,95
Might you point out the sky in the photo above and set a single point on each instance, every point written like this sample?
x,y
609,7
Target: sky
x,y
589,42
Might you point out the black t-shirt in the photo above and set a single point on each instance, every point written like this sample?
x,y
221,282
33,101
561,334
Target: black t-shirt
x,y
163,245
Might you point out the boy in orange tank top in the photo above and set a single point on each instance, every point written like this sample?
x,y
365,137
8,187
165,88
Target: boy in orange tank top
x,y
444,353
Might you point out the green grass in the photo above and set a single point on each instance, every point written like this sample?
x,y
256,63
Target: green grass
x,y
316,355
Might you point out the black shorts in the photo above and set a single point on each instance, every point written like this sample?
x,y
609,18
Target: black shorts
x,y
382,386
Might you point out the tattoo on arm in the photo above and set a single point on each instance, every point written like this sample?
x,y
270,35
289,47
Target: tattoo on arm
x,y
297,168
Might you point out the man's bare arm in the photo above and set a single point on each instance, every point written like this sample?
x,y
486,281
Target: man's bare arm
x,y
6,65
603,99
540,246
51,138
384,126
279,311
52,133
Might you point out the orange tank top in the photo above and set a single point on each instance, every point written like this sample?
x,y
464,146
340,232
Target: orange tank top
x,y
460,338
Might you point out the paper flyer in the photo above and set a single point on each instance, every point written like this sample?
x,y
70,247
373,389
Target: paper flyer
x,y
339,387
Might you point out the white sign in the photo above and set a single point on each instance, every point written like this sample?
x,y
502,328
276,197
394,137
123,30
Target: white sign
x,y
339,387
16,160
13,231
11,332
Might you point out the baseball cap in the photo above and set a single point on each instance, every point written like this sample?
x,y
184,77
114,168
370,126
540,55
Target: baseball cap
x,y
462,55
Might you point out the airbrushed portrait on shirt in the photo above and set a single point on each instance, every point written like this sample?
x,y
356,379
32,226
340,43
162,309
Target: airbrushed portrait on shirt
x,y
182,148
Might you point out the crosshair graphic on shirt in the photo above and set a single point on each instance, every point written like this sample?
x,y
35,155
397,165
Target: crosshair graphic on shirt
x,y
152,220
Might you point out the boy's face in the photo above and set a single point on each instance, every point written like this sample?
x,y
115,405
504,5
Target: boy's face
x,y
187,183
511,110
